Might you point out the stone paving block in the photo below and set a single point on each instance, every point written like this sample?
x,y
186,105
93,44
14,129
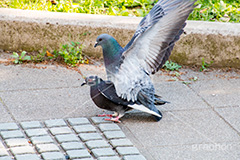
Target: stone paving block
x,y
101,152
12,134
8,126
42,139
98,120
55,123
6,158
60,130
78,121
121,143
114,134
109,127
31,124
134,157
36,132
84,128
89,136
27,157
53,156
97,144
127,150
72,145
1,145
14,142
22,150
110,158
3,152
47,147
83,153
66,138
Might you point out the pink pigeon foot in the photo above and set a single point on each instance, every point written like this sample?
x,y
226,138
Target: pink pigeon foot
x,y
105,115
113,119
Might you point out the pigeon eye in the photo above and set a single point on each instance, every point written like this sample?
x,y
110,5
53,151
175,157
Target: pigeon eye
x,y
100,39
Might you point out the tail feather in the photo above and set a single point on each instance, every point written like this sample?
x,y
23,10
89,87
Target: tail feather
x,y
148,104
157,117
158,101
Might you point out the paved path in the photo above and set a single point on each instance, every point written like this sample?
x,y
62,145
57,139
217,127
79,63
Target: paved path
x,y
201,122
72,138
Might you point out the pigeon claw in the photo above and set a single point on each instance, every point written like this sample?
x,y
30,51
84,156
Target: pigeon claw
x,y
105,115
113,119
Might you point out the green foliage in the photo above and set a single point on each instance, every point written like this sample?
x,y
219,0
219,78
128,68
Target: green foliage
x,y
40,57
217,10
205,65
112,7
207,10
171,66
18,59
71,53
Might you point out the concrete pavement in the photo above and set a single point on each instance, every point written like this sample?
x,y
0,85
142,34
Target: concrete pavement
x,y
201,122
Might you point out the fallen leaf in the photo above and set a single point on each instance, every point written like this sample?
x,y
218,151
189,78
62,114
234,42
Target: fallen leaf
x,y
49,54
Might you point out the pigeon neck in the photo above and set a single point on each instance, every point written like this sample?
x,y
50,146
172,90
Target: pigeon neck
x,y
112,52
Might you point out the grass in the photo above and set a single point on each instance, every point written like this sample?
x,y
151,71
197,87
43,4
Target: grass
x,y
217,10
207,10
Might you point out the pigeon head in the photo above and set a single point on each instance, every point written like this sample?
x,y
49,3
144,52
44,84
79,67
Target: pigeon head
x,y
112,51
91,81
103,39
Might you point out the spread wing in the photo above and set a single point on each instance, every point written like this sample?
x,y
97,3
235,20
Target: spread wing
x,y
151,46
156,34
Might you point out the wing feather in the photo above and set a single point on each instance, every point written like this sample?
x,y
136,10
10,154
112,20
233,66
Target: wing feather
x,y
159,36
151,46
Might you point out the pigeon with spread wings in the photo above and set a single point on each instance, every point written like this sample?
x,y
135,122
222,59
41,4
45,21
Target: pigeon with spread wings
x,y
129,68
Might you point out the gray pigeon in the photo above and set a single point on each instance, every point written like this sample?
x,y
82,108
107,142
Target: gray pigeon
x,y
104,95
129,68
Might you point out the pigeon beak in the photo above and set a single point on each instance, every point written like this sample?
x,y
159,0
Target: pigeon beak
x,y
83,84
96,44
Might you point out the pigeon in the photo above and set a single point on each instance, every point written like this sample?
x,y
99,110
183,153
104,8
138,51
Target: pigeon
x,y
129,68
104,95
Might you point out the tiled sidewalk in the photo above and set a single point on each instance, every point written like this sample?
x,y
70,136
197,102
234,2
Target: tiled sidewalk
x,y
62,139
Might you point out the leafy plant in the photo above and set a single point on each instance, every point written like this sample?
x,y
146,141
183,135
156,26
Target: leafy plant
x,y
217,10
40,57
20,58
71,53
171,66
205,65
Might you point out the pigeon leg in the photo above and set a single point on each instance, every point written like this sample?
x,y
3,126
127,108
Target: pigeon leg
x,y
104,115
115,119
115,114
